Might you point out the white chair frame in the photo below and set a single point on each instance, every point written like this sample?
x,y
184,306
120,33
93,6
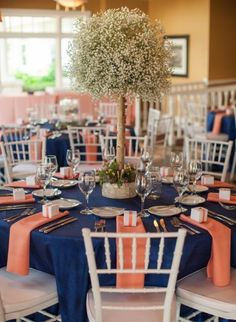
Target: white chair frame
x,y
46,297
195,119
210,153
94,271
108,110
153,119
133,145
232,174
20,133
21,152
77,135
201,295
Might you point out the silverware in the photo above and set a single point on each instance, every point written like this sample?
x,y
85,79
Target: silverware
x,y
227,207
62,220
163,225
221,219
13,216
216,214
178,224
14,207
156,225
100,225
27,212
72,219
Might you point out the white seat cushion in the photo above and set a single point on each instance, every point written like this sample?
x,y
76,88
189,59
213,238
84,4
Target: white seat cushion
x,y
22,170
22,292
123,300
198,289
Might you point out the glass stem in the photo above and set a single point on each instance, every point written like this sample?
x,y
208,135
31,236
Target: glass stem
x,y
142,206
87,200
44,193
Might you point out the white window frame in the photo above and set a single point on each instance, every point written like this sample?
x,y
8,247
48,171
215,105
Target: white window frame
x,y
57,35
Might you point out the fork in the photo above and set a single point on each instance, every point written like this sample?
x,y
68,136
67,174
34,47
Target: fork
x,y
27,212
163,225
177,224
100,225
227,207
156,225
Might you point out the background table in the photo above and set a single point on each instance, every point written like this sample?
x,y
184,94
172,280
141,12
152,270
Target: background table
x,y
62,252
227,124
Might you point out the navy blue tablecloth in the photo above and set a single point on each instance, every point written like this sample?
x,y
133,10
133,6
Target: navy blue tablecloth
x,y
227,124
62,252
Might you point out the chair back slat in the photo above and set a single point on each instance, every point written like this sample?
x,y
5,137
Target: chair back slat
x,y
107,253
171,242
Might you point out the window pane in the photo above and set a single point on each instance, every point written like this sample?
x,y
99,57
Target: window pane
x,y
67,25
22,61
27,23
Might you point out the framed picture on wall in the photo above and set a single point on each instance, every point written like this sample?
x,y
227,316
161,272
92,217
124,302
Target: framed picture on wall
x,y
180,58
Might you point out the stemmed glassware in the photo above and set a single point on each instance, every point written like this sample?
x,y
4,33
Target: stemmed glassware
x,y
180,181
43,177
146,157
156,183
143,186
87,184
176,160
51,161
73,159
194,173
108,154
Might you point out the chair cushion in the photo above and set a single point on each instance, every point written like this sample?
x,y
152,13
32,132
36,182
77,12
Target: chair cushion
x,y
124,300
22,170
217,137
21,292
197,288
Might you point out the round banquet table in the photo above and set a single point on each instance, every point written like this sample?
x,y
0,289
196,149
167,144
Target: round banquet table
x,y
227,124
62,252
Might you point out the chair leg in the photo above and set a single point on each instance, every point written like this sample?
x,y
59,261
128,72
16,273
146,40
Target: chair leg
x,y
233,166
178,305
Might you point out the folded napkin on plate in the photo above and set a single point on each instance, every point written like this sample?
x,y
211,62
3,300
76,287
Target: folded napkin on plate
x,y
212,196
218,267
9,200
58,175
218,184
131,280
19,241
22,184
217,122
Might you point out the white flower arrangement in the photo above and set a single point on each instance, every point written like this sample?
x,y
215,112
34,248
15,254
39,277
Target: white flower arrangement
x,y
120,53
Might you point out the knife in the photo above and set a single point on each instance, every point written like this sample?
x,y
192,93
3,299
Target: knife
x,y
156,225
216,214
61,224
14,207
54,223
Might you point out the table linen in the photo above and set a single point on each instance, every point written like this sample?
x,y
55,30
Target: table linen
x,y
9,200
215,198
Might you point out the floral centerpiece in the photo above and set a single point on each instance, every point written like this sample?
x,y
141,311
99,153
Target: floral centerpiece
x,y
119,53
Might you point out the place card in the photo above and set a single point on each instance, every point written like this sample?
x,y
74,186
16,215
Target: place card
x,y
224,194
66,172
18,194
50,210
130,218
31,180
199,214
207,179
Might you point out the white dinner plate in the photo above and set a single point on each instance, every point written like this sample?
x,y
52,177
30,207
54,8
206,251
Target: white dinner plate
x,y
49,193
168,179
61,183
192,200
107,212
198,188
64,203
165,211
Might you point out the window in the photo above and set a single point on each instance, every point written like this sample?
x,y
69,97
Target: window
x,y
33,47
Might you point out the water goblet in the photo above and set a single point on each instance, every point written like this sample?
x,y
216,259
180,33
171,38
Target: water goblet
x,y
180,181
43,177
73,159
143,186
108,154
146,157
51,160
86,185
156,183
176,160
194,173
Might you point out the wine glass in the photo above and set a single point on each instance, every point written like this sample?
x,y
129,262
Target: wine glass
x,y
156,183
108,154
146,157
87,184
180,181
43,177
73,159
143,186
176,160
194,173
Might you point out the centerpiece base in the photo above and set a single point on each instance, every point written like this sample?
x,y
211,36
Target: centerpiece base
x,y
112,190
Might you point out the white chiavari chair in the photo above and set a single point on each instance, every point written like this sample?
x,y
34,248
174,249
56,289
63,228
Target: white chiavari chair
x,y
21,158
199,293
108,110
21,296
87,141
214,155
133,146
20,133
153,119
232,174
151,303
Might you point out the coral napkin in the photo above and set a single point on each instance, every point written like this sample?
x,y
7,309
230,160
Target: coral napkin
x,y
217,122
22,184
60,176
131,280
9,200
19,241
215,198
91,149
218,267
219,184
